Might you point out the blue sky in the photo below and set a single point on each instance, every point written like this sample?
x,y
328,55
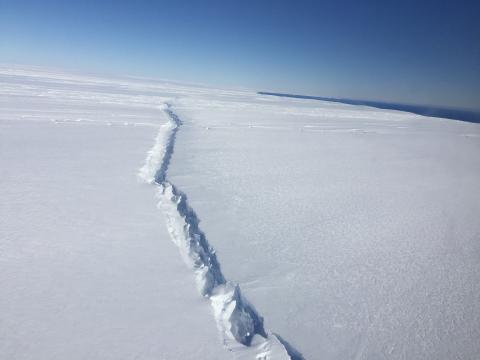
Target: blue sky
x,y
424,52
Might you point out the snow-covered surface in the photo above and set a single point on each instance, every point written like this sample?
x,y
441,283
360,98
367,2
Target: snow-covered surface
x,y
87,268
352,231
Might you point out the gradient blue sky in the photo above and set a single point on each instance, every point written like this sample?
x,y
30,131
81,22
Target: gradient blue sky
x,y
423,52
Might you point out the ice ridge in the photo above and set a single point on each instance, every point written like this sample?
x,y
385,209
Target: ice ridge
x,y
236,318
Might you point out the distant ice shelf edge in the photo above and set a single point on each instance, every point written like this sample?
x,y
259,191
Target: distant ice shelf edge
x,y
424,110
240,325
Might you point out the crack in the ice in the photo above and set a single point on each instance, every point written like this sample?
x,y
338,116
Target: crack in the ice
x,y
161,173
236,318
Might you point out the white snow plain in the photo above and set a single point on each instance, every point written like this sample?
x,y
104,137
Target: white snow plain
x,y
87,269
352,231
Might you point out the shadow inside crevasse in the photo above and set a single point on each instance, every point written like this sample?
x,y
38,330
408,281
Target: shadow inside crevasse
x,y
292,352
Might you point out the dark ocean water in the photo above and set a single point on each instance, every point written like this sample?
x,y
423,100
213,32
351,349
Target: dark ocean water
x,y
449,113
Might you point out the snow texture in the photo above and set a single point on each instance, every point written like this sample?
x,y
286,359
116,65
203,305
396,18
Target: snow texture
x,y
87,268
352,230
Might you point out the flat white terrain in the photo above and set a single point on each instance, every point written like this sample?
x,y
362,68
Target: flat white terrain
x,y
87,268
352,231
